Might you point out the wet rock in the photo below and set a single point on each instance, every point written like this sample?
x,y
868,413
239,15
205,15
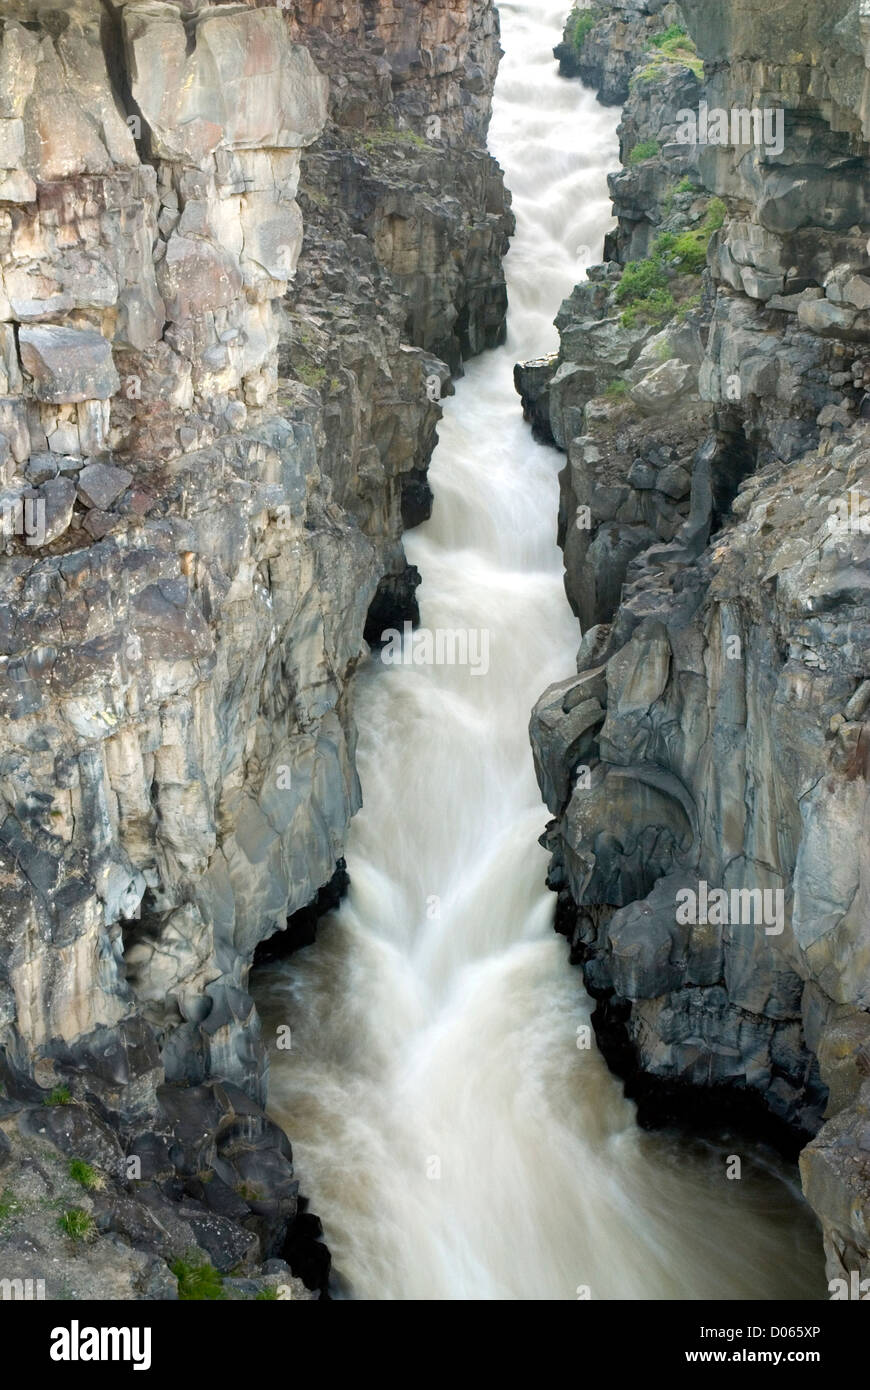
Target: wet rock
x,y
301,929
835,1170
307,1253
394,604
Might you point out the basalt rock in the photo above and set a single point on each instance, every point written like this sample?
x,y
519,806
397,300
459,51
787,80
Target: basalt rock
x,y
709,394
242,249
605,55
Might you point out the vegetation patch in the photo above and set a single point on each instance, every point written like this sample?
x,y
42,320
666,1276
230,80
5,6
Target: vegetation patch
x,y
673,45
687,250
656,309
310,375
580,25
688,306
249,1193
647,287
60,1095
198,1280
640,278
379,138
77,1224
685,187
644,150
86,1176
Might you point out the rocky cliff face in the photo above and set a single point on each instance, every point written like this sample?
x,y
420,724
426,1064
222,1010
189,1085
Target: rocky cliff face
x,y
242,248
711,394
602,42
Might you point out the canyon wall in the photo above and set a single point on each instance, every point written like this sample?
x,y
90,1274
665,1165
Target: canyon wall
x,y
242,249
712,394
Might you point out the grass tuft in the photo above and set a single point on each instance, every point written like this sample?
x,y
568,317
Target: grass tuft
x,y
198,1280
672,45
643,150
77,1224
86,1176
60,1095
309,374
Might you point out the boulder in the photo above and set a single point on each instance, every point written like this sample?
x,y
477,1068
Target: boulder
x,y
100,484
658,391
68,364
241,85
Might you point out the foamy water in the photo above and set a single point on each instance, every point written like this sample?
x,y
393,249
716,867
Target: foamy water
x,y
455,1140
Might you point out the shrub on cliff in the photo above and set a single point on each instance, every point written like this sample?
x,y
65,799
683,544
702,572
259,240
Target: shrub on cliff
x,y
580,24
687,250
643,150
639,279
655,309
647,288
672,45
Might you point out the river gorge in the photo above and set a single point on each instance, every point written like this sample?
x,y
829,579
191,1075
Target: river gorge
x,y
433,457
449,1122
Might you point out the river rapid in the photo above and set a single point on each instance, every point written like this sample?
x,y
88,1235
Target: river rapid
x,y
457,1138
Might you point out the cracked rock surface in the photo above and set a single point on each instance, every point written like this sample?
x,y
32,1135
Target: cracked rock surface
x,y
242,249
717,476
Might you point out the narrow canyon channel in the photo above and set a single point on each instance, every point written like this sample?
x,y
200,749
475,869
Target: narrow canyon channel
x,y
456,1140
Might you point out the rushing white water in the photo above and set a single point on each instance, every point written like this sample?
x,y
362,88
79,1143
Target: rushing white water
x,y
455,1140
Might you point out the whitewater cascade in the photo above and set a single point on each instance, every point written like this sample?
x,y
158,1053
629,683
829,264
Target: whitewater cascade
x,y
449,1125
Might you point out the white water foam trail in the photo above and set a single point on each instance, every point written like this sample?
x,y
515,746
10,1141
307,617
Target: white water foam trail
x,y
454,1138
